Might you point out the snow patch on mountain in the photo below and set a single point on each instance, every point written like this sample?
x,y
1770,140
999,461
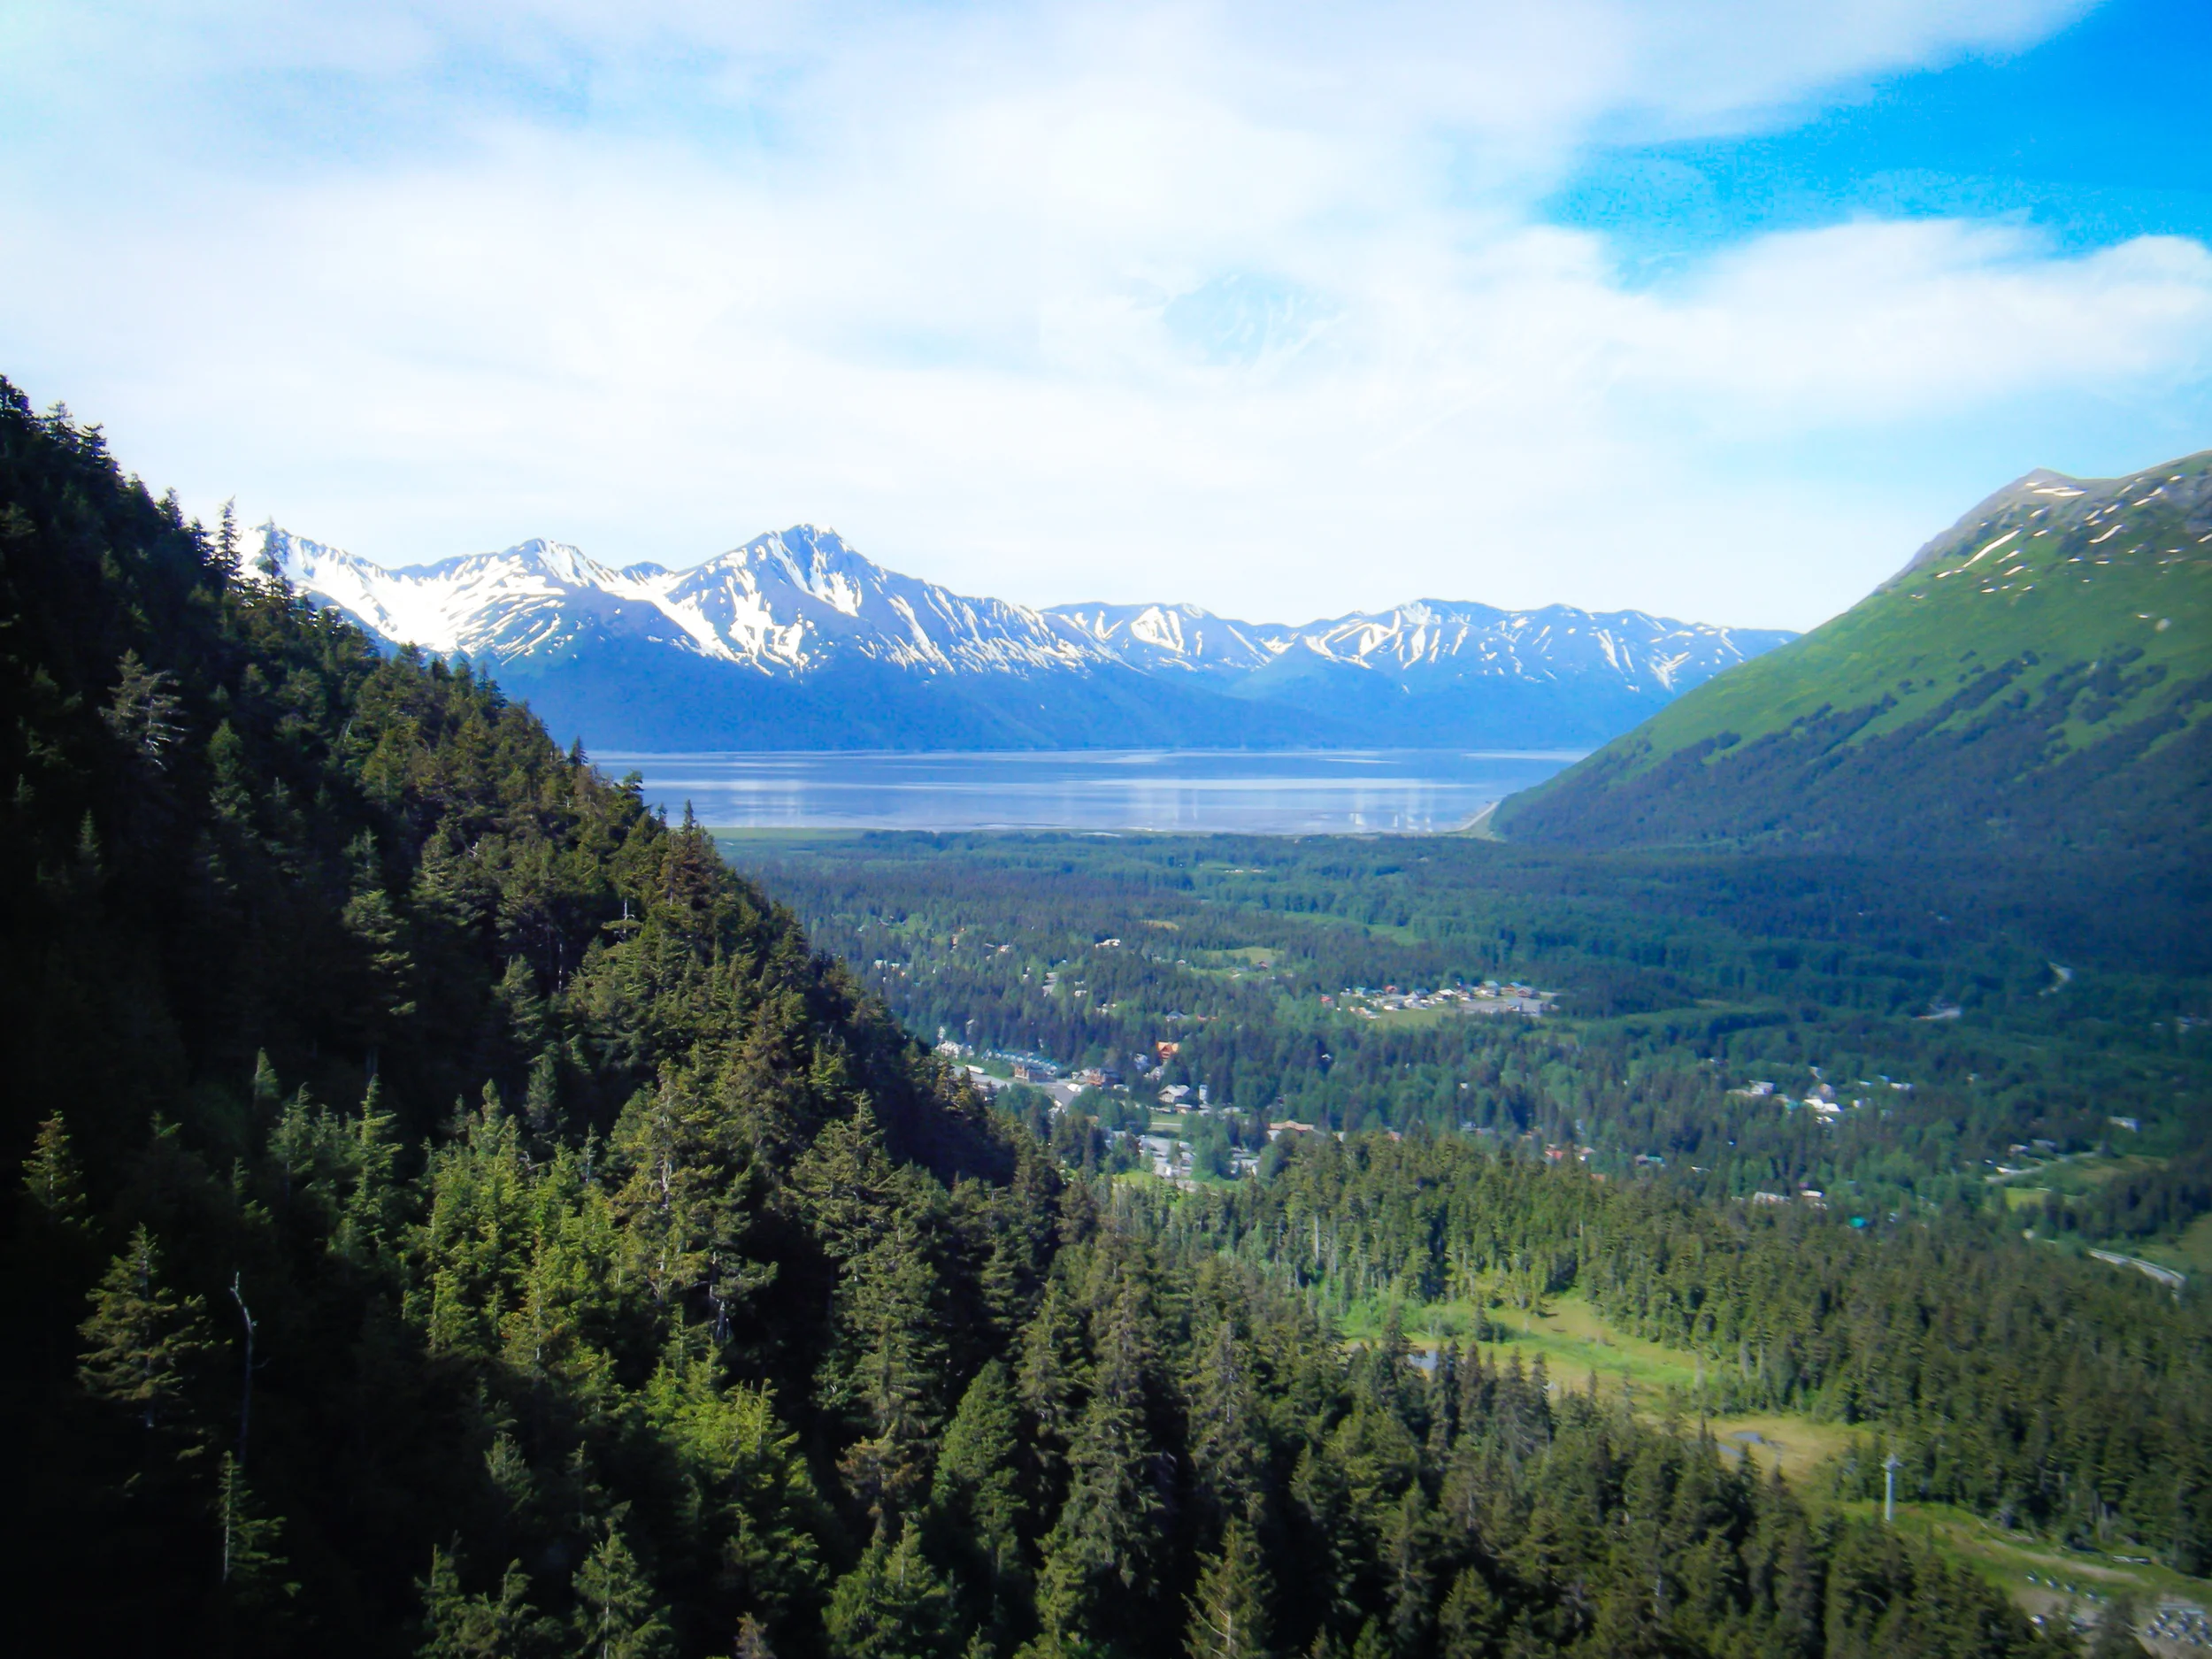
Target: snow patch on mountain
x,y
790,604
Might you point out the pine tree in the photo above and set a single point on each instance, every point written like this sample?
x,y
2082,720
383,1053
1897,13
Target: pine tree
x,y
891,1606
145,1344
459,1625
252,1566
979,1469
1051,1378
1467,1627
616,1617
267,1091
887,1361
145,711
752,1640
226,542
51,1180
1224,1427
1228,1611
542,1101
1104,1530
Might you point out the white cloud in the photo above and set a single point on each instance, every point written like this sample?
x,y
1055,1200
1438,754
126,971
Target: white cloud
x,y
1244,305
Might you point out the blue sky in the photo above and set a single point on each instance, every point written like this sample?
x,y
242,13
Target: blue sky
x,y
1712,308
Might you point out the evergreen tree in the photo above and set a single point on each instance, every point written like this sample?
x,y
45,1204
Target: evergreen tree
x,y
145,1345
145,712
616,1617
891,1606
978,1471
502,1625
1224,1429
1104,1533
1228,1611
52,1181
1467,1626
226,542
253,1566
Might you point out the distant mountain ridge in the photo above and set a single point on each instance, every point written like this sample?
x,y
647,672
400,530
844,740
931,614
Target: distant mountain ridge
x,y
2036,678
795,640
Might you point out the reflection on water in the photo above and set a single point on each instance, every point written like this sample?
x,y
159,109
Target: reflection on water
x,y
1303,792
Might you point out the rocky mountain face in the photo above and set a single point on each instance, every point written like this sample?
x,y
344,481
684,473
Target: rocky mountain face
x,y
795,640
2038,677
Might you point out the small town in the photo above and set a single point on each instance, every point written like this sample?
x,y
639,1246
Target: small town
x,y
1491,996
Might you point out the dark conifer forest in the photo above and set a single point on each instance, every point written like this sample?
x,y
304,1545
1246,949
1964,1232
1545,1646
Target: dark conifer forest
x,y
457,1215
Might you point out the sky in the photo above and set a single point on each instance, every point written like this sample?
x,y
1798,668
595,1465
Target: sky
x,y
1284,309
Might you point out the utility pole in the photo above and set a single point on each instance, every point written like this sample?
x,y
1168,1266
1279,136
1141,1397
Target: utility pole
x,y
1889,1487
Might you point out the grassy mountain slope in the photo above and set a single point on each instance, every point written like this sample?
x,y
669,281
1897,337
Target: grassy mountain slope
x,y
2039,676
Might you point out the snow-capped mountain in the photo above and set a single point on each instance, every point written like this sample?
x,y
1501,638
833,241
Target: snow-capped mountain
x,y
780,604
793,640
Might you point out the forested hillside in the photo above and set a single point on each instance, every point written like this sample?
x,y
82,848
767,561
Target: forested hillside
x,y
2069,1400
459,1216
2037,678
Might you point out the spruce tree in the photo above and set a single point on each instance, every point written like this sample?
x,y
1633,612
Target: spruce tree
x,y
496,1625
51,1180
978,1471
145,1345
616,1616
1225,1446
226,542
891,1606
1228,1610
252,1572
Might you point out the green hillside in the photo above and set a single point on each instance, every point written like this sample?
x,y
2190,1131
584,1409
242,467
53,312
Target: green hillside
x,y
2038,677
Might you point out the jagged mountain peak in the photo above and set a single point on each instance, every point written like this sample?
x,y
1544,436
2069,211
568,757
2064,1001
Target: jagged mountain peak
x,y
799,603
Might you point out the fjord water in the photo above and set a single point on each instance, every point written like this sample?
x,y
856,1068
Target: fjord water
x,y
1277,793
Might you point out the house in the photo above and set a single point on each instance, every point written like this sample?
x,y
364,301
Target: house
x,y
1288,1126
1174,1095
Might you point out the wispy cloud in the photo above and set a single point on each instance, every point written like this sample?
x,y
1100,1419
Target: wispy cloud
x,y
1250,306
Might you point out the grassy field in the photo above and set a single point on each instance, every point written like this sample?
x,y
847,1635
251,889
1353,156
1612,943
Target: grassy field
x,y
2041,1576
1581,1350
1406,1018
1577,1346
2192,1252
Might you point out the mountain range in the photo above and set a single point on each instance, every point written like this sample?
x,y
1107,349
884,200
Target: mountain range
x,y
795,641
2039,678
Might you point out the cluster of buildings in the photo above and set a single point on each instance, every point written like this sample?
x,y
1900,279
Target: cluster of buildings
x,y
1492,996
1822,1101
1171,1160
